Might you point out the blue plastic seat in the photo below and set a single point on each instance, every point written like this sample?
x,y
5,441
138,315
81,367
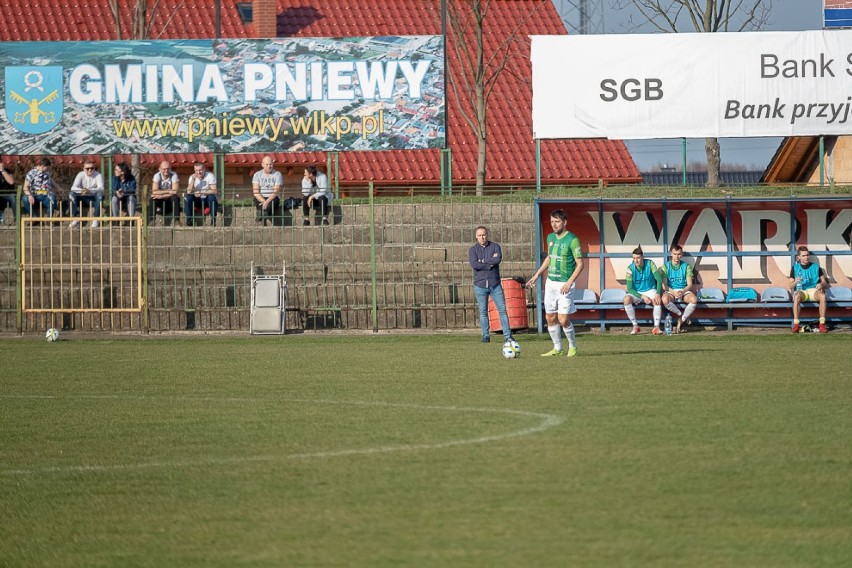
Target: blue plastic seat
x,y
585,296
711,295
612,296
839,294
774,294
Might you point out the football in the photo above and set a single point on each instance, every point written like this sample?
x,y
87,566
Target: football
x,y
52,334
511,349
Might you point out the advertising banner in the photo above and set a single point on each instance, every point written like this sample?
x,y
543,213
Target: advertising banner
x,y
228,96
692,85
745,241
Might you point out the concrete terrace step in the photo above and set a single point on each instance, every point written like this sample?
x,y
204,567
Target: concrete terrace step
x,y
249,235
225,293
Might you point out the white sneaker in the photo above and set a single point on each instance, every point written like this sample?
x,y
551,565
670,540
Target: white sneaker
x,y
74,224
95,224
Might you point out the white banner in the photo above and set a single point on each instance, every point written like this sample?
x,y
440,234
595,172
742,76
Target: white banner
x,y
692,85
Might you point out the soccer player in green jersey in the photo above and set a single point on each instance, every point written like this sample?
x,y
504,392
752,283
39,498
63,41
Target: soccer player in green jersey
x,y
563,264
678,280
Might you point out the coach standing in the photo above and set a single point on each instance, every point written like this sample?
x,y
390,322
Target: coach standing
x,y
485,258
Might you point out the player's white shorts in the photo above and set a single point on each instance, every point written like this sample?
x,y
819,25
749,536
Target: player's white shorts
x,y
810,294
555,302
674,291
651,294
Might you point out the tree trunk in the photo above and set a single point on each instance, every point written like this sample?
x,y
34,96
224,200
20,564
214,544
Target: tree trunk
x,y
116,16
703,16
482,139
479,98
140,20
480,166
714,161
474,81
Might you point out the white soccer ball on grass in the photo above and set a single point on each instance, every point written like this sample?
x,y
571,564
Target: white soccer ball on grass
x,y
52,334
511,349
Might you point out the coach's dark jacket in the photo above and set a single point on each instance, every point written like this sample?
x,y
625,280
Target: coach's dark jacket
x,y
485,261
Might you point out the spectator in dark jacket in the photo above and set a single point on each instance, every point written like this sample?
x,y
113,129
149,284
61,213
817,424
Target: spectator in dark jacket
x,y
485,257
123,191
8,199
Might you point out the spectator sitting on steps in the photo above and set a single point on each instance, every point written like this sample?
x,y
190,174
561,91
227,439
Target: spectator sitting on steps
x,y
87,189
315,194
164,190
39,191
8,200
123,191
266,185
201,192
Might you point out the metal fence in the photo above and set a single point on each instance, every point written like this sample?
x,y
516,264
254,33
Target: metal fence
x,y
88,278
384,263
394,264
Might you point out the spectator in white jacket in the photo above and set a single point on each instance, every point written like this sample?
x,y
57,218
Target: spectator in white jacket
x,y
87,189
316,194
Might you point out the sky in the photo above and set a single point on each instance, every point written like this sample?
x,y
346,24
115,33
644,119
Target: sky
x,y
754,153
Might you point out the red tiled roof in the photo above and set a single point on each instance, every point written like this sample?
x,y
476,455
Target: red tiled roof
x,y
511,148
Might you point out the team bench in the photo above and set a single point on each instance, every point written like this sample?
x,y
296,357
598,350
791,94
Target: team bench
x,y
774,302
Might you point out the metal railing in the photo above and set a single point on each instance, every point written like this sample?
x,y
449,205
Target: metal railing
x,y
84,276
395,262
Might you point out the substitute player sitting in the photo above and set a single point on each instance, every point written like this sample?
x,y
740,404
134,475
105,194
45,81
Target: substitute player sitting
x,y
807,282
678,280
644,285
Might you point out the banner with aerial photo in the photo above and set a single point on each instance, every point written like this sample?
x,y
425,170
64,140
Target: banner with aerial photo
x,y
228,96
692,85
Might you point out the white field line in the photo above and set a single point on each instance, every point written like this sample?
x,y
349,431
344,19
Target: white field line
x,y
546,421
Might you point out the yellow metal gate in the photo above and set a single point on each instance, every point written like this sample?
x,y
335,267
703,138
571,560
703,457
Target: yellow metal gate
x,y
87,276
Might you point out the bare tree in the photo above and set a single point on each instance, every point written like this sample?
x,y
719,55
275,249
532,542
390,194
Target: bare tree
x,y
142,17
477,72
704,16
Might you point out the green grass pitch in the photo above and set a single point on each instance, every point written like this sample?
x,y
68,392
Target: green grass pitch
x,y
323,450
